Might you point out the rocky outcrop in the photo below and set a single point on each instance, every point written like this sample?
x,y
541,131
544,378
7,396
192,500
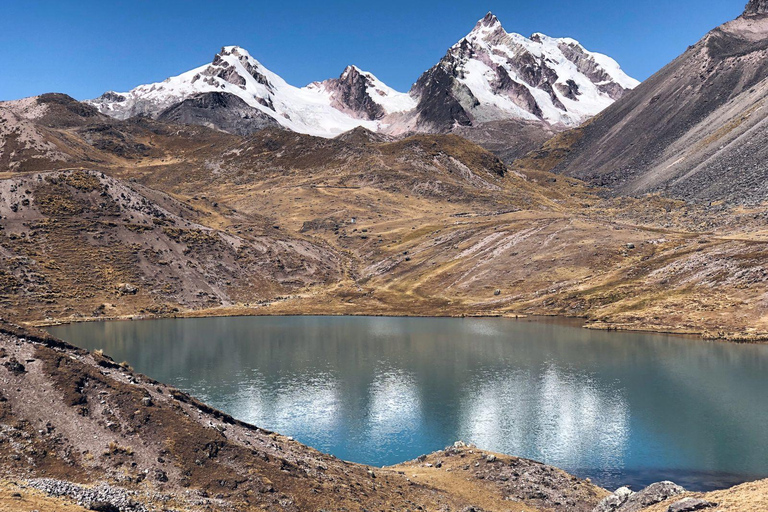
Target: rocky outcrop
x,y
219,110
442,101
691,505
350,94
756,7
624,500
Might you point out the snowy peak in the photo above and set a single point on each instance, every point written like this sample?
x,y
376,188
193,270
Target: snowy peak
x,y
363,96
489,23
493,75
234,71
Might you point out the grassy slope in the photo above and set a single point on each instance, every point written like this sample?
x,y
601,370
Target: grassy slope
x,y
469,226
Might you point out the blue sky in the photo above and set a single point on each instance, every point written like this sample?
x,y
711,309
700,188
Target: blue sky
x,y
85,47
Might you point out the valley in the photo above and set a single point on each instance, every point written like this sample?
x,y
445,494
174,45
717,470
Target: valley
x,y
518,178
203,222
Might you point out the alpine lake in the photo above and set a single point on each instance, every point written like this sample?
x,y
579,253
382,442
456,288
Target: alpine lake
x,y
620,408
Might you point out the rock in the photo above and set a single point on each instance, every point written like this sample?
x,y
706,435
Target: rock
x,y
630,246
101,498
690,505
146,401
15,367
101,506
127,289
221,110
497,293
756,7
624,500
614,501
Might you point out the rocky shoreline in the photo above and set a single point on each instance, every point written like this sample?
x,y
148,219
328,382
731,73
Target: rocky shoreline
x,y
88,432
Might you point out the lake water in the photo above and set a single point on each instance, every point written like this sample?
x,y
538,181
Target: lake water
x,y
617,407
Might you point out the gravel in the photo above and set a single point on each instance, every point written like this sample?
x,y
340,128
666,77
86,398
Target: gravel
x,y
102,497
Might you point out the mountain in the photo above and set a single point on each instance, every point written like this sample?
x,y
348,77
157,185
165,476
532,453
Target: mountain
x,y
696,130
492,75
234,72
541,84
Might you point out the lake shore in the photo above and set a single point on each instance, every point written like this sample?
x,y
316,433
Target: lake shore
x,y
296,306
174,464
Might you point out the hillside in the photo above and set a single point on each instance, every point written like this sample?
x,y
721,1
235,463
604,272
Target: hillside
x,y
696,130
360,224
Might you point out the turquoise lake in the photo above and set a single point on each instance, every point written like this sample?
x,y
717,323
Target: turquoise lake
x,y
621,408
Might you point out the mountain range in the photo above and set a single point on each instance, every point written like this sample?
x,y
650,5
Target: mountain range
x,y
489,76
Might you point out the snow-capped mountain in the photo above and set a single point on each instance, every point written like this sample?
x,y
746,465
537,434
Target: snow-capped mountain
x,y
489,75
234,71
494,75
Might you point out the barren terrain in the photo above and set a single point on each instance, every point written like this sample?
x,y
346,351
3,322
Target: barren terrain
x,y
202,222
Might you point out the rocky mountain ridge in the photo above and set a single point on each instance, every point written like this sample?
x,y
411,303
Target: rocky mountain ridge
x,y
696,130
756,7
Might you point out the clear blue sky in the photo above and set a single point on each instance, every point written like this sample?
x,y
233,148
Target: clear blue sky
x,y
85,47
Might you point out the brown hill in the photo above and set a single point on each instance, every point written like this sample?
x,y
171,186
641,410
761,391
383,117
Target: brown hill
x,y
431,224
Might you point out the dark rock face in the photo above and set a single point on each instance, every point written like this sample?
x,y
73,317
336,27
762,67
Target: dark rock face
x,y
439,109
350,94
570,89
519,93
690,505
112,97
756,7
589,67
695,130
219,67
219,110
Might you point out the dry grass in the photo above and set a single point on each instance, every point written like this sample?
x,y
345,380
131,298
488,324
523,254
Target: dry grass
x,y
14,498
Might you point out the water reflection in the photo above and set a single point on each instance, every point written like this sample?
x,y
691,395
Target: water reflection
x,y
618,407
550,417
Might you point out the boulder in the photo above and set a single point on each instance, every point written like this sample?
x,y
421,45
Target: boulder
x,y
614,501
624,500
654,493
127,289
690,505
